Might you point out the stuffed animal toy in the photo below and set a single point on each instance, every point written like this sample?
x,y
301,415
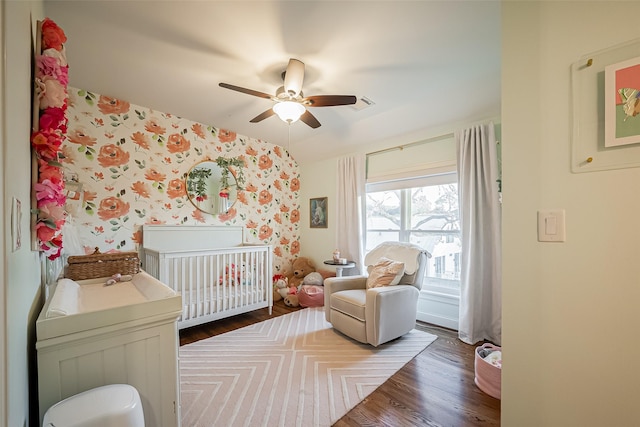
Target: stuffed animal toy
x,y
291,300
314,278
118,278
302,266
232,275
280,287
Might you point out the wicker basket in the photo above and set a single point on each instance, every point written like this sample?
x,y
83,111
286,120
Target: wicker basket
x,y
102,265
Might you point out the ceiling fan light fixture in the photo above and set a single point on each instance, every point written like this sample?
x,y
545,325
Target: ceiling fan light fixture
x,y
289,111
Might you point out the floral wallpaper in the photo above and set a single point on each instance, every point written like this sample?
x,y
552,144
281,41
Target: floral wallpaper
x,y
132,162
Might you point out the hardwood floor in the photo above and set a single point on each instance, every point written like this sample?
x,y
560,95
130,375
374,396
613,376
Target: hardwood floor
x,y
436,388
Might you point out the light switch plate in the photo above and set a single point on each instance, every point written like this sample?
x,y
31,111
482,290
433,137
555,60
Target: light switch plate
x,y
551,226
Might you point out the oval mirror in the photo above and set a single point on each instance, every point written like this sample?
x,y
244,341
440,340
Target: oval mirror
x,y
205,188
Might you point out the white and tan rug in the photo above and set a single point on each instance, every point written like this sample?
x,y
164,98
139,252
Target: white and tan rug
x,y
292,370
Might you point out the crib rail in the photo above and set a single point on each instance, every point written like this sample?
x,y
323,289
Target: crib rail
x,y
215,283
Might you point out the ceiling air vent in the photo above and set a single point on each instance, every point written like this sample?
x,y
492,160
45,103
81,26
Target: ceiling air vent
x,y
362,103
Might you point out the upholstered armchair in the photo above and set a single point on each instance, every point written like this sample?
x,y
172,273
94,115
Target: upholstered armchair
x,y
381,306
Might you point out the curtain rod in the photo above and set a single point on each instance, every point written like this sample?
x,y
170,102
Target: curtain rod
x,y
411,144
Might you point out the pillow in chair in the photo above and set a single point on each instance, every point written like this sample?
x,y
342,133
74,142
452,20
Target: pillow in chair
x,y
385,272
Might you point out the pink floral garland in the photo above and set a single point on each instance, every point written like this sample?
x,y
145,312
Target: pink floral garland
x,y
52,78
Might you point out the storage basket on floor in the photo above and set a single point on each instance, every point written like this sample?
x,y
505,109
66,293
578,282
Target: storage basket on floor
x,y
102,265
488,376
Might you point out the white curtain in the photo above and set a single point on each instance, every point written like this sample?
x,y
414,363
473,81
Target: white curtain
x,y
350,193
480,218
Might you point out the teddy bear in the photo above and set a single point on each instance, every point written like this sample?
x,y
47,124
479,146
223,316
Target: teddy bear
x,y
301,267
291,300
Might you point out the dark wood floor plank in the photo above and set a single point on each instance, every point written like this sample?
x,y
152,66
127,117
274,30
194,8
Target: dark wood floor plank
x,y
435,389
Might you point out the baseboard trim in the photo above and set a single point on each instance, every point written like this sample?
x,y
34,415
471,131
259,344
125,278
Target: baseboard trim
x,y
438,320
438,309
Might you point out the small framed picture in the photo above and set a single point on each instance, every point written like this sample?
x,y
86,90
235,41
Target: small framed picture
x,y
622,103
318,212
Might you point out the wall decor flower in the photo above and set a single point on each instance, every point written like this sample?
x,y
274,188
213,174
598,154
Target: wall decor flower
x,y
50,129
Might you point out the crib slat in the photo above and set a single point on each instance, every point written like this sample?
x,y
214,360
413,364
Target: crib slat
x,y
185,284
237,293
198,280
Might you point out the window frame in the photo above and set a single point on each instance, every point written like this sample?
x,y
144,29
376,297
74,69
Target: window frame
x,y
405,186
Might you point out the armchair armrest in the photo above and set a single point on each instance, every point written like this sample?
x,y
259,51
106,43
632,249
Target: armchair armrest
x,y
390,312
337,284
398,295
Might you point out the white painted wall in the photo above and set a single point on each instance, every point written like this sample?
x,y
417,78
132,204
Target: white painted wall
x,y
570,310
318,179
21,278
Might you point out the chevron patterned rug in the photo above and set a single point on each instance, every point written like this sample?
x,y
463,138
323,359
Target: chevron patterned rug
x,y
292,370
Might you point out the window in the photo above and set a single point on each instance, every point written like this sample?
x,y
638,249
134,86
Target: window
x,y
423,211
439,266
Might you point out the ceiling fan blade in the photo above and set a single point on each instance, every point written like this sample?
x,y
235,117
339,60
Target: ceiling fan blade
x,y
293,77
245,90
310,119
328,100
262,116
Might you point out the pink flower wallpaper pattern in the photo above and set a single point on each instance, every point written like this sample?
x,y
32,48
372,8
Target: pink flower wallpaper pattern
x,y
132,162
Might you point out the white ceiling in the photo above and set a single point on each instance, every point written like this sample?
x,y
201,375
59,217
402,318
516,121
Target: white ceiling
x,y
427,65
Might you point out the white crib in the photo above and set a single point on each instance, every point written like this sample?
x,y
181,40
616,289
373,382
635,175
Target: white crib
x,y
216,274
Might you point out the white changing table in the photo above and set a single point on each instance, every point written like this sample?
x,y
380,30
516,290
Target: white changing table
x,y
120,334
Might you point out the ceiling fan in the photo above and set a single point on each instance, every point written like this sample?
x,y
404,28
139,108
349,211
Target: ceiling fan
x,y
290,103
